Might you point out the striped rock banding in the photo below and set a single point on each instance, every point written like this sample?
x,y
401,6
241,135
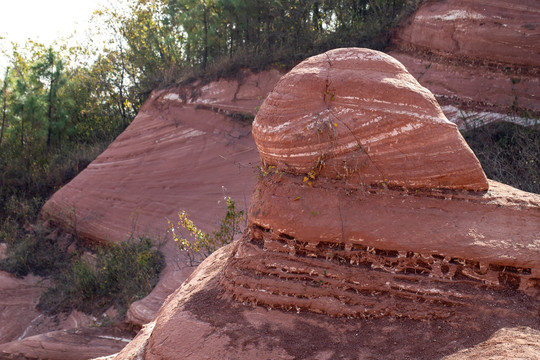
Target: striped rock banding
x,y
357,114
370,204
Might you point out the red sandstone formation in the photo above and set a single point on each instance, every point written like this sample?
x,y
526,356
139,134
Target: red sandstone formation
x,y
73,344
506,343
18,298
492,31
376,258
187,148
320,120
320,203
481,56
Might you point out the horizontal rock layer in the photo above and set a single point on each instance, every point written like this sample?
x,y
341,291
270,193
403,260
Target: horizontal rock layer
x,y
347,252
199,321
485,30
73,344
357,114
482,56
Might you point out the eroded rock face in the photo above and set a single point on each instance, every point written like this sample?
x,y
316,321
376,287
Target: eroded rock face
x,y
388,238
486,30
481,56
17,305
376,258
358,115
187,148
506,343
199,321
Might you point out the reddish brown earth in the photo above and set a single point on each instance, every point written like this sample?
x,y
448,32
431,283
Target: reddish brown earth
x,y
132,187
506,343
479,56
18,300
26,333
72,344
405,272
199,321
186,150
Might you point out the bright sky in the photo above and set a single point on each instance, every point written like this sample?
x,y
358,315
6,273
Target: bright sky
x,y
44,21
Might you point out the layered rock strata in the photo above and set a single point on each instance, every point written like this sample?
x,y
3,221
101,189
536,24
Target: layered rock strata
x,y
361,117
187,148
370,210
481,56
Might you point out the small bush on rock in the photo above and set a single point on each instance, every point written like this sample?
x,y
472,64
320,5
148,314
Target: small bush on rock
x,y
31,252
204,244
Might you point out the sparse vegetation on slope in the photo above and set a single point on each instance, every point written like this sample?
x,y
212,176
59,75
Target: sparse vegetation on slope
x,y
204,244
116,274
80,277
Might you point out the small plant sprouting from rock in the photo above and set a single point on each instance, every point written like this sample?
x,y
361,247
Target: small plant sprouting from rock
x,y
205,244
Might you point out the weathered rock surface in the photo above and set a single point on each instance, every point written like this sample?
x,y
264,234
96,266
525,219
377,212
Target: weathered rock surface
x,y
360,116
520,342
422,239
187,148
18,298
199,321
498,31
74,344
404,272
482,56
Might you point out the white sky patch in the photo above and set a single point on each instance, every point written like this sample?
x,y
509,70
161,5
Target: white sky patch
x,y
46,22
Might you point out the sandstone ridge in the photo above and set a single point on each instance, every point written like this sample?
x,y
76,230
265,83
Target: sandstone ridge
x,y
480,58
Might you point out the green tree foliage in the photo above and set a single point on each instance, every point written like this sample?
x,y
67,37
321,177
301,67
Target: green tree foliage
x,y
277,30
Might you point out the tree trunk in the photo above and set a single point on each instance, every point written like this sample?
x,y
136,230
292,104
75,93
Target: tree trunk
x,y
49,112
4,107
205,39
22,127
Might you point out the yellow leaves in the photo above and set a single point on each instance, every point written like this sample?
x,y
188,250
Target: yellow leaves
x,y
296,198
335,124
310,176
186,223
